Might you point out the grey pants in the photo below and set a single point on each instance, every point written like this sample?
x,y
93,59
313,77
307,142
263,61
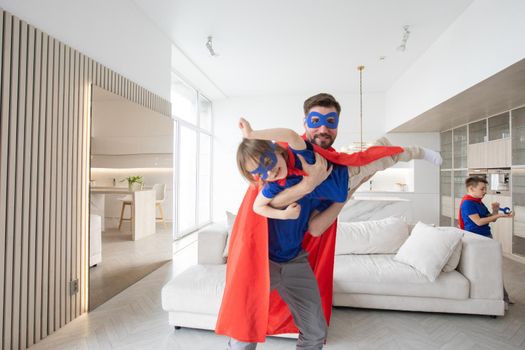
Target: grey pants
x,y
358,173
297,286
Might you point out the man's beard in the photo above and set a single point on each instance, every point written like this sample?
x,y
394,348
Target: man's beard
x,y
324,143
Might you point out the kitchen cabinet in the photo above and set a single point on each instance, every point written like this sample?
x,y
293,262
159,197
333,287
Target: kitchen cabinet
x,y
459,191
459,140
477,155
518,203
446,149
501,229
518,136
499,126
498,153
445,188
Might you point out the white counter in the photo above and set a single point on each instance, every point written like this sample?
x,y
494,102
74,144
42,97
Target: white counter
x,y
143,223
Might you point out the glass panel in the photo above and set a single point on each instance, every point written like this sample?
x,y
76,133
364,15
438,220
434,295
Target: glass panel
x,y
445,190
187,178
459,191
183,100
204,179
518,136
459,183
518,203
445,183
499,127
446,149
477,132
204,113
460,147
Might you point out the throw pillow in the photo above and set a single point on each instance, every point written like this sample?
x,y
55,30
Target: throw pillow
x,y
453,262
428,249
230,219
371,237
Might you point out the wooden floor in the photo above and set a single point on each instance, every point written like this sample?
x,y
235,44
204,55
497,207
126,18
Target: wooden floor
x,y
134,319
124,262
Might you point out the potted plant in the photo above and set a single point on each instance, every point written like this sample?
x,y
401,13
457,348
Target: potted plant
x,y
135,183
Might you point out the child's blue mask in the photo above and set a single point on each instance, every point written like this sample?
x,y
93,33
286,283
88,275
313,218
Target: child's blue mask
x,y
316,120
267,162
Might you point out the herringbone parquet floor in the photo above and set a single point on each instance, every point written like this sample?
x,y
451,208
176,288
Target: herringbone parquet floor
x,y
125,262
134,319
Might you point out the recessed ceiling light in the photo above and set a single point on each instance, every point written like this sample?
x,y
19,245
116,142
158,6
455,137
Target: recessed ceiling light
x,y
382,58
209,46
406,34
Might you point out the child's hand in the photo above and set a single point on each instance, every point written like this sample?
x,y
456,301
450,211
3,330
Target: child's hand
x,y
509,215
246,128
292,211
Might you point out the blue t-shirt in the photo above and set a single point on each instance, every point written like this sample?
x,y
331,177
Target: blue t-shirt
x,y
285,237
334,188
471,207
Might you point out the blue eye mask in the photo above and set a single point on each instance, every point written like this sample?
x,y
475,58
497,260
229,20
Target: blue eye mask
x,y
316,120
270,158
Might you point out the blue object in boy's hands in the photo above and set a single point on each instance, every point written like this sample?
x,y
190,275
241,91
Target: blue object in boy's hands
x,y
505,210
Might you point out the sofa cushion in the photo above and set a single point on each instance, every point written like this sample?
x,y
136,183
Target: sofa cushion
x,y
371,237
428,249
198,289
380,274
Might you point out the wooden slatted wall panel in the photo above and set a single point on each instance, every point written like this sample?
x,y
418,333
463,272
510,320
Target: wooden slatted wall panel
x,y
45,100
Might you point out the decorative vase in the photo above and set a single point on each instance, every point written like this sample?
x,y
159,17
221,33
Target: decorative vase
x,y
135,186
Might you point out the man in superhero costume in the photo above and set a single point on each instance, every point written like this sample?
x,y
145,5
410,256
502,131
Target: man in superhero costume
x,y
250,310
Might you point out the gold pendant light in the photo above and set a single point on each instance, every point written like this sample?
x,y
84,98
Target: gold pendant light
x,y
358,145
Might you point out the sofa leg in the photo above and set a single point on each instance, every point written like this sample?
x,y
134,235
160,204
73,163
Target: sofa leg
x,y
177,327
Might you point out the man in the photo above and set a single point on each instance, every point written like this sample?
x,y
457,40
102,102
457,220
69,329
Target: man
x,y
303,284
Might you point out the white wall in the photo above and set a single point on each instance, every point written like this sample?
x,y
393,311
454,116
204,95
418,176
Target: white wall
x,y
485,39
286,111
114,33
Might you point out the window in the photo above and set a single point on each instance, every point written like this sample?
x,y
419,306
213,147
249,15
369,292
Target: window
x,y
192,113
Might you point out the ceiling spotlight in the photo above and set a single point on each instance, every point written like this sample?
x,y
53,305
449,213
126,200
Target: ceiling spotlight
x,y
209,46
406,34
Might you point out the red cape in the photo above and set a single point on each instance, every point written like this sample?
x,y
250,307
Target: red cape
x,y
249,311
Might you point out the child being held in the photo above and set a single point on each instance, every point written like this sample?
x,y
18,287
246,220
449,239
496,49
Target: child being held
x,y
280,167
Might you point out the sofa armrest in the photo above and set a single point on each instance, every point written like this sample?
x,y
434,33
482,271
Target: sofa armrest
x,y
210,244
481,264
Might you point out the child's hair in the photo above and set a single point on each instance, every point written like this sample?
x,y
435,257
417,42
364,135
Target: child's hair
x,y
474,181
250,149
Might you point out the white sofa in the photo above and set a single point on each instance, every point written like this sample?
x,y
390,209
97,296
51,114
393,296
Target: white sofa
x,y
193,297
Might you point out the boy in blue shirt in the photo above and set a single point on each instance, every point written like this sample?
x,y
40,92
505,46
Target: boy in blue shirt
x,y
474,215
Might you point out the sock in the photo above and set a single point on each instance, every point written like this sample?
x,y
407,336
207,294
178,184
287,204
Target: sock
x,y
383,141
432,156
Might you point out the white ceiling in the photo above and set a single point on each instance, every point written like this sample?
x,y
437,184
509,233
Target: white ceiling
x,y
499,93
277,47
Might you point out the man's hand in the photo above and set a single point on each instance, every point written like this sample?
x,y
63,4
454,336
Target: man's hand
x,y
292,211
495,206
317,172
246,128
